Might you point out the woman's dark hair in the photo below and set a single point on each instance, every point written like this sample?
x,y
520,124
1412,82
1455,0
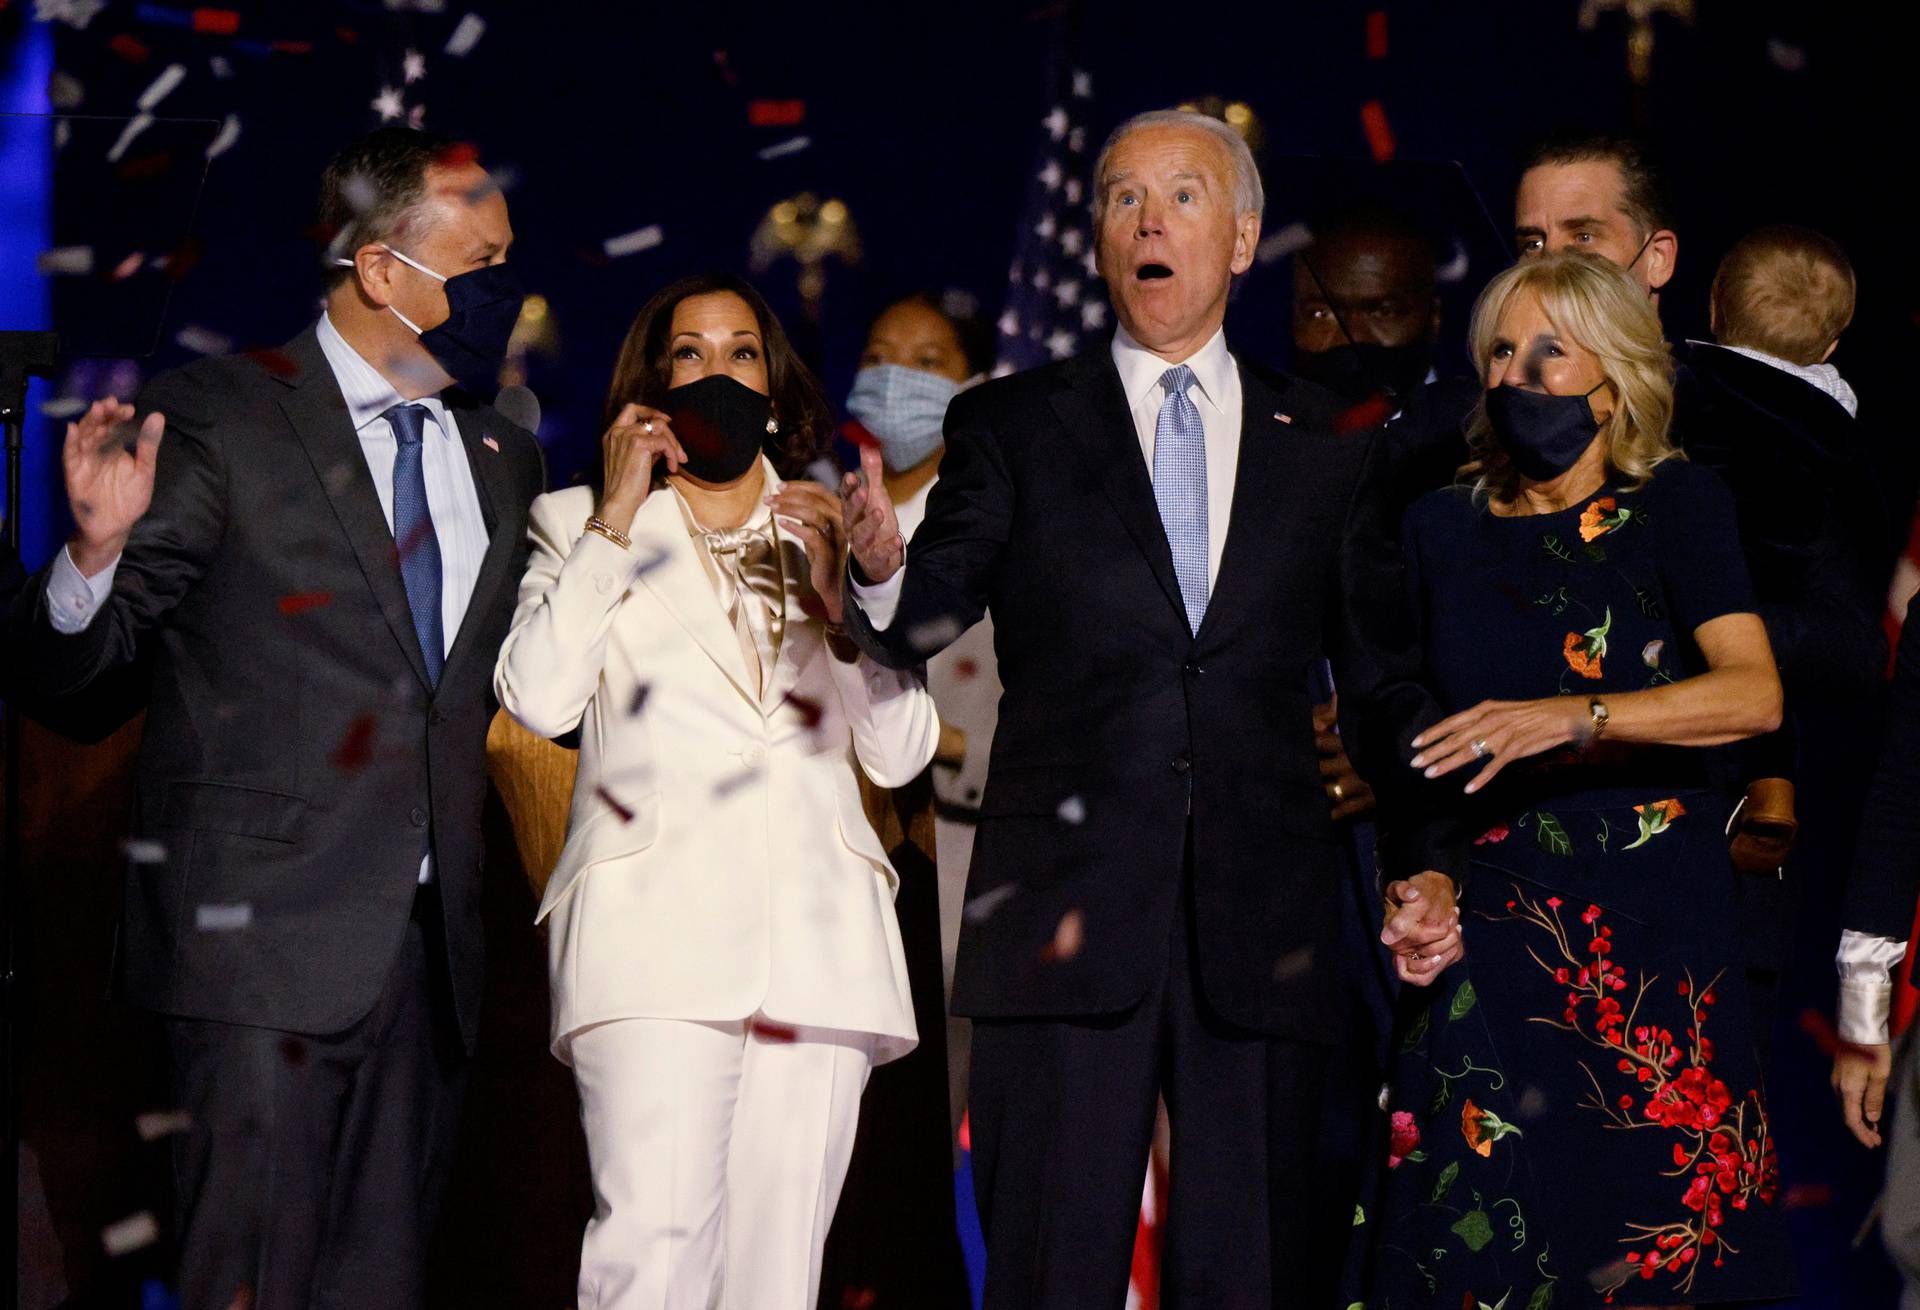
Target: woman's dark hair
x,y
644,373
979,339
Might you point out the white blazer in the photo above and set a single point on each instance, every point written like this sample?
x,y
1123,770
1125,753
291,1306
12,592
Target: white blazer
x,y
718,863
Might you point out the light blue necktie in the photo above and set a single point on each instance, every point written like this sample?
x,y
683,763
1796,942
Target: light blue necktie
x,y
414,536
1180,489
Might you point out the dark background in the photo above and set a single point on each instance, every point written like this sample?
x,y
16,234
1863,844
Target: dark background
x,y
924,121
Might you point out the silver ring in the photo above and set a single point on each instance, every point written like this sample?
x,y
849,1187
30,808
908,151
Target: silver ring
x,y
1418,956
1339,792
1479,748
647,427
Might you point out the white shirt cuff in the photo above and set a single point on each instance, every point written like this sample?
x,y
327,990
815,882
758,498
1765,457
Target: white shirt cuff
x,y
881,601
72,597
1866,963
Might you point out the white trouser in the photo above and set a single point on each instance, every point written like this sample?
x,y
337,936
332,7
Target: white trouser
x,y
718,1153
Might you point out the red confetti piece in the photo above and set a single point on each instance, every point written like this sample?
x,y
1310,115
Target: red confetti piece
x,y
726,69
129,48
776,113
179,261
276,362
813,607
1815,1025
1377,34
459,155
347,34
147,165
772,1032
356,748
810,710
858,1298
292,47
127,267
1066,938
625,814
966,1131
1369,413
1373,117
965,668
217,22
859,436
1807,1196
300,602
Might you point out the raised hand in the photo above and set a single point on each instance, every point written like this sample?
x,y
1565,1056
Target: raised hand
x,y
813,514
1422,927
1499,732
109,479
873,529
637,438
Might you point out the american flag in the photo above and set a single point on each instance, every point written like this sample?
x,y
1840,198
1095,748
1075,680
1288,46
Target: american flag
x,y
1055,302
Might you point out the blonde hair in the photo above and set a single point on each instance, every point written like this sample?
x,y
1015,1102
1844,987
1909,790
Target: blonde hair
x,y
1784,291
1599,307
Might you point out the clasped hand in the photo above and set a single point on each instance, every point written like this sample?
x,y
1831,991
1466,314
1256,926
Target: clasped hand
x,y
1422,927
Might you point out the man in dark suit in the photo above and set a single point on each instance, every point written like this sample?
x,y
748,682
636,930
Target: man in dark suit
x,y
1170,543
311,556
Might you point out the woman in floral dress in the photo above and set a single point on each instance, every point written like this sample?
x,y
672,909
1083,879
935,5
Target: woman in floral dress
x,y
1577,1110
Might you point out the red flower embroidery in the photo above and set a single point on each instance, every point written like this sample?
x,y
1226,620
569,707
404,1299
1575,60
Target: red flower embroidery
x,y
1403,1138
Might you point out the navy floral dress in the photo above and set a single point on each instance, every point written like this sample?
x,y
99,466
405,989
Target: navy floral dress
x,y
1576,1108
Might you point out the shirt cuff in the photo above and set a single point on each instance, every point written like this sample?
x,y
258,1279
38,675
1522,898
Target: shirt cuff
x,y
1866,964
880,601
73,598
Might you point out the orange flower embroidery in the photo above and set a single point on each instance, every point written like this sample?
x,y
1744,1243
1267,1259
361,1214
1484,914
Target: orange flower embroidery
x,y
1585,649
1655,817
1482,1128
1601,517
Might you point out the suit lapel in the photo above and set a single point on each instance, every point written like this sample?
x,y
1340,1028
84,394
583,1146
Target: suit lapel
x,y
680,583
493,480
1094,410
1259,488
799,635
318,414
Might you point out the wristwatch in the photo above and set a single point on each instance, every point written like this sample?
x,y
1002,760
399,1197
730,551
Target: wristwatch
x,y
1598,715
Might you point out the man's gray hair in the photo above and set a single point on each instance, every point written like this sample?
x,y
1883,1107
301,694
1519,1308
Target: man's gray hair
x,y
1248,195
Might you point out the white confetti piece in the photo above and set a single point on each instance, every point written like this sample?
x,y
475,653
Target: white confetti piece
x,y
1787,57
357,190
1073,810
155,1124
65,259
934,634
74,13
793,145
632,243
224,139
65,407
465,36
127,267
130,1234
203,341
1288,240
144,852
413,67
221,66
162,86
65,91
138,124
1293,964
1455,269
981,907
222,918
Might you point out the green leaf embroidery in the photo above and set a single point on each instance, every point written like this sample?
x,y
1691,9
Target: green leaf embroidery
x,y
1648,605
1418,1157
1358,1305
1445,1185
1595,553
1441,1095
1474,1229
1552,545
1551,836
1359,1215
1416,1032
1462,1001
1542,1297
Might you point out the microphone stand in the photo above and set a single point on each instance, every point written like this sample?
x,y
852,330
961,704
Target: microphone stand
x,y
23,355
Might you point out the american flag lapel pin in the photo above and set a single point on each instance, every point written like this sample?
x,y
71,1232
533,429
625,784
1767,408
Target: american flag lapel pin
x,y
1282,418
490,444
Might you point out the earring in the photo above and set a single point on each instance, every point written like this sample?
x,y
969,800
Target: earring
x,y
773,426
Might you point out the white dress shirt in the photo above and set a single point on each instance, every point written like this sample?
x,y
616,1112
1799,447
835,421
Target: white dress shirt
x,y
452,499
1215,393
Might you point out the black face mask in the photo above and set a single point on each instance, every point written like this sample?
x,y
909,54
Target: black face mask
x,y
482,307
1544,435
722,424
1360,371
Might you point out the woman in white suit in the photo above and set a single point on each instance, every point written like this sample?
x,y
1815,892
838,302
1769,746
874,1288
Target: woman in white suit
x,y
725,963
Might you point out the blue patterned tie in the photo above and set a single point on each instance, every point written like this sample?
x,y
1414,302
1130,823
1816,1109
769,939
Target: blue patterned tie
x,y
1180,489
413,534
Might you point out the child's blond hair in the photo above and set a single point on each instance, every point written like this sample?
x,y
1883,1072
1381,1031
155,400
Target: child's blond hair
x,y
1784,291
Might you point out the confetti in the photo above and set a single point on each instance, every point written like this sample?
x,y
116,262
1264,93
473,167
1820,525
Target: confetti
x,y
965,668
1807,1196
387,104
1369,413
222,918
776,113
1373,117
65,259
413,67
1456,268
300,602
793,145
632,243
727,786
65,91
624,814
1291,239
74,13
223,140
138,124
1073,810
356,748
221,67
858,1298
276,362
1377,34
639,701
458,155
176,263
1067,938
1787,57
127,267
1532,1103
128,48
144,852
810,710
1831,1043
771,1032
64,407
934,634
466,35
1293,964
155,1124
130,1234
216,22
203,341
162,86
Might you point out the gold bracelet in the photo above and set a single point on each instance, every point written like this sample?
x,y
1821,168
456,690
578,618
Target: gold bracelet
x,y
611,533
